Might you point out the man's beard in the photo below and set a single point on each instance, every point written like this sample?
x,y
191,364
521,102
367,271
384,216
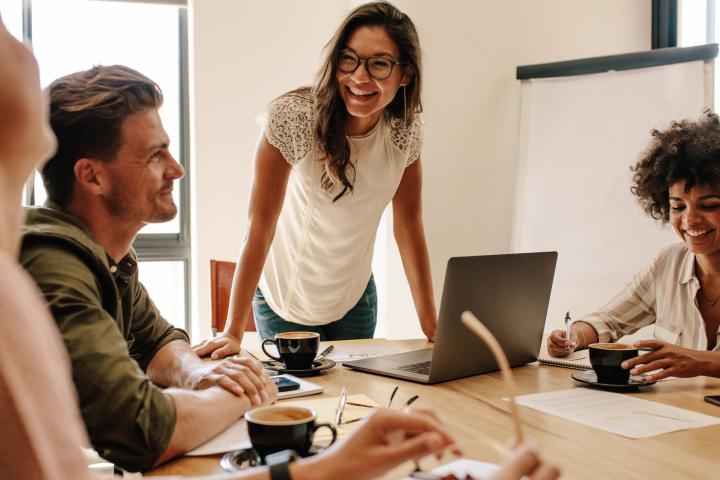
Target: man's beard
x,y
124,208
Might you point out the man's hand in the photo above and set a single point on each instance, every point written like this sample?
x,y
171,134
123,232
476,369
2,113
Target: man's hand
x,y
526,463
558,345
223,345
671,360
240,376
384,440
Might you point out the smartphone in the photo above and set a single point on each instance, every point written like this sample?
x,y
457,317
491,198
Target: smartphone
x,y
285,384
714,399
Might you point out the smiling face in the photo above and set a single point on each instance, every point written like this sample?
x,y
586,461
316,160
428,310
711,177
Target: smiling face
x,y
143,172
695,216
364,96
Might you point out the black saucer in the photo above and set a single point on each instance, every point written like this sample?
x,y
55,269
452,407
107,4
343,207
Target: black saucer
x,y
589,378
317,368
237,460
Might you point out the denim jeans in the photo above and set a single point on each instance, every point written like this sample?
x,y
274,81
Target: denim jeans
x,y
359,322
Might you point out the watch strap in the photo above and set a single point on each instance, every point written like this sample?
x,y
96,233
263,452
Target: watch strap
x,y
280,471
279,463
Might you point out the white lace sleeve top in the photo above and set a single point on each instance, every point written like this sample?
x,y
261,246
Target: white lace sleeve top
x,y
319,263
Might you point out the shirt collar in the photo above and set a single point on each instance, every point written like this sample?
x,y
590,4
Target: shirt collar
x,y
125,268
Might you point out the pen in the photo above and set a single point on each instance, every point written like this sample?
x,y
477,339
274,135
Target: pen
x,y
325,352
567,329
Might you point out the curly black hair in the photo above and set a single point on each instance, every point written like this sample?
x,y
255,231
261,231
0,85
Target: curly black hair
x,y
688,151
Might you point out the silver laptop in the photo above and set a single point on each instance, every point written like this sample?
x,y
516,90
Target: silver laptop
x,y
508,293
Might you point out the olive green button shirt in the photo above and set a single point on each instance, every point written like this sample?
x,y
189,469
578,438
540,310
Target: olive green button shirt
x,y
111,330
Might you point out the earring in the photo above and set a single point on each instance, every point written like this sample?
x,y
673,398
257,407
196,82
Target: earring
x,y
404,107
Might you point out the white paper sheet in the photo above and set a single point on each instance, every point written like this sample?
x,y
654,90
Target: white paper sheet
x,y
463,467
234,438
345,350
325,409
616,413
348,352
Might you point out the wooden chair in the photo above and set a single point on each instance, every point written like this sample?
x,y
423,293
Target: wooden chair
x,y
221,275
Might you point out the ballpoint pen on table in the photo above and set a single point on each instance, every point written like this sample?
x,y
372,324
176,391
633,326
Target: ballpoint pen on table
x,y
567,329
341,406
392,395
325,352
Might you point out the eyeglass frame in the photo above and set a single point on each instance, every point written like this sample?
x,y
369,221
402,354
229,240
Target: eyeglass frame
x,y
360,61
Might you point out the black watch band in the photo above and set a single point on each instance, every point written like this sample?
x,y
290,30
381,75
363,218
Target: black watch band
x,y
279,463
280,471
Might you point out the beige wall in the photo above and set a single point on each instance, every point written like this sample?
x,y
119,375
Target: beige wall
x,y
246,53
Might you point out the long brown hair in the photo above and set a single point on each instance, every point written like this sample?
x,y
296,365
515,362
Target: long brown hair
x,y
331,114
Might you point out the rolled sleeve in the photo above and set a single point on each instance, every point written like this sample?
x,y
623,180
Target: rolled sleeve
x,y
150,330
129,420
629,311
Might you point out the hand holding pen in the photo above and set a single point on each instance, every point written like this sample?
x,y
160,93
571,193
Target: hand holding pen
x,y
568,322
560,342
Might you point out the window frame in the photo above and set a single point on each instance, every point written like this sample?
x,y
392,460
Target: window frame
x,y
664,24
156,247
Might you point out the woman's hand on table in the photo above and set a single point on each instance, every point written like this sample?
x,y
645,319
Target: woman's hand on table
x,y
223,345
671,360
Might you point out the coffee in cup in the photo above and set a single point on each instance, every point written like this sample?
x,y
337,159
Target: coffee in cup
x,y
297,349
606,358
275,428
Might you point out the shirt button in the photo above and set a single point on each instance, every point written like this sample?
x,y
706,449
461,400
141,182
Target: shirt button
x,y
113,269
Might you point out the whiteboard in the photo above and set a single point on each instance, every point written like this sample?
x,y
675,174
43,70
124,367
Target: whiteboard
x,y
579,135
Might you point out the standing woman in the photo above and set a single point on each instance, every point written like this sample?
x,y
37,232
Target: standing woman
x,y
330,159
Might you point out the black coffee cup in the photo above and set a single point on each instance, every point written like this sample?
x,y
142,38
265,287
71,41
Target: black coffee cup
x,y
276,428
606,358
297,349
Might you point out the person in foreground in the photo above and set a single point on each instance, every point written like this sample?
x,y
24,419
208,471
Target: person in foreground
x,y
329,160
144,395
677,181
42,427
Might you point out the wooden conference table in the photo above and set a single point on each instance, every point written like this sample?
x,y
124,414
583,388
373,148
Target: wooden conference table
x,y
473,407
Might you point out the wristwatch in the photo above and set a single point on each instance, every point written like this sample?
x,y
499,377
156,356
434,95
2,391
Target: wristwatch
x,y
279,463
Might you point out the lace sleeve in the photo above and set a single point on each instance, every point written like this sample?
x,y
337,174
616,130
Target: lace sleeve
x,y
409,140
288,126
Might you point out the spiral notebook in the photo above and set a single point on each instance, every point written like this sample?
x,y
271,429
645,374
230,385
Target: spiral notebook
x,y
577,360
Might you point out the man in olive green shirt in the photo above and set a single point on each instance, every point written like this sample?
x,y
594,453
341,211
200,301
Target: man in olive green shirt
x,y
144,395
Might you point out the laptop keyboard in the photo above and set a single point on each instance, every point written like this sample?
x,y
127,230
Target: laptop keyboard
x,y
422,368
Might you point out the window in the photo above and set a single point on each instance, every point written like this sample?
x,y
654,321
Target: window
x,y
12,17
72,35
697,25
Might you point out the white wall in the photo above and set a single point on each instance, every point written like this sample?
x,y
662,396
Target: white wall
x,y
246,53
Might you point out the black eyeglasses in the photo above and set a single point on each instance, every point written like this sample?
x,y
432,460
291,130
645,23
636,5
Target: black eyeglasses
x,y
378,68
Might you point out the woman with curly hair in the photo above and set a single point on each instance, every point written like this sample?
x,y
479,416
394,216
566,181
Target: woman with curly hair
x,y
330,159
677,181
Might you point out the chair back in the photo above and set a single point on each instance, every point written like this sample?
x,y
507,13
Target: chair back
x,y
221,276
